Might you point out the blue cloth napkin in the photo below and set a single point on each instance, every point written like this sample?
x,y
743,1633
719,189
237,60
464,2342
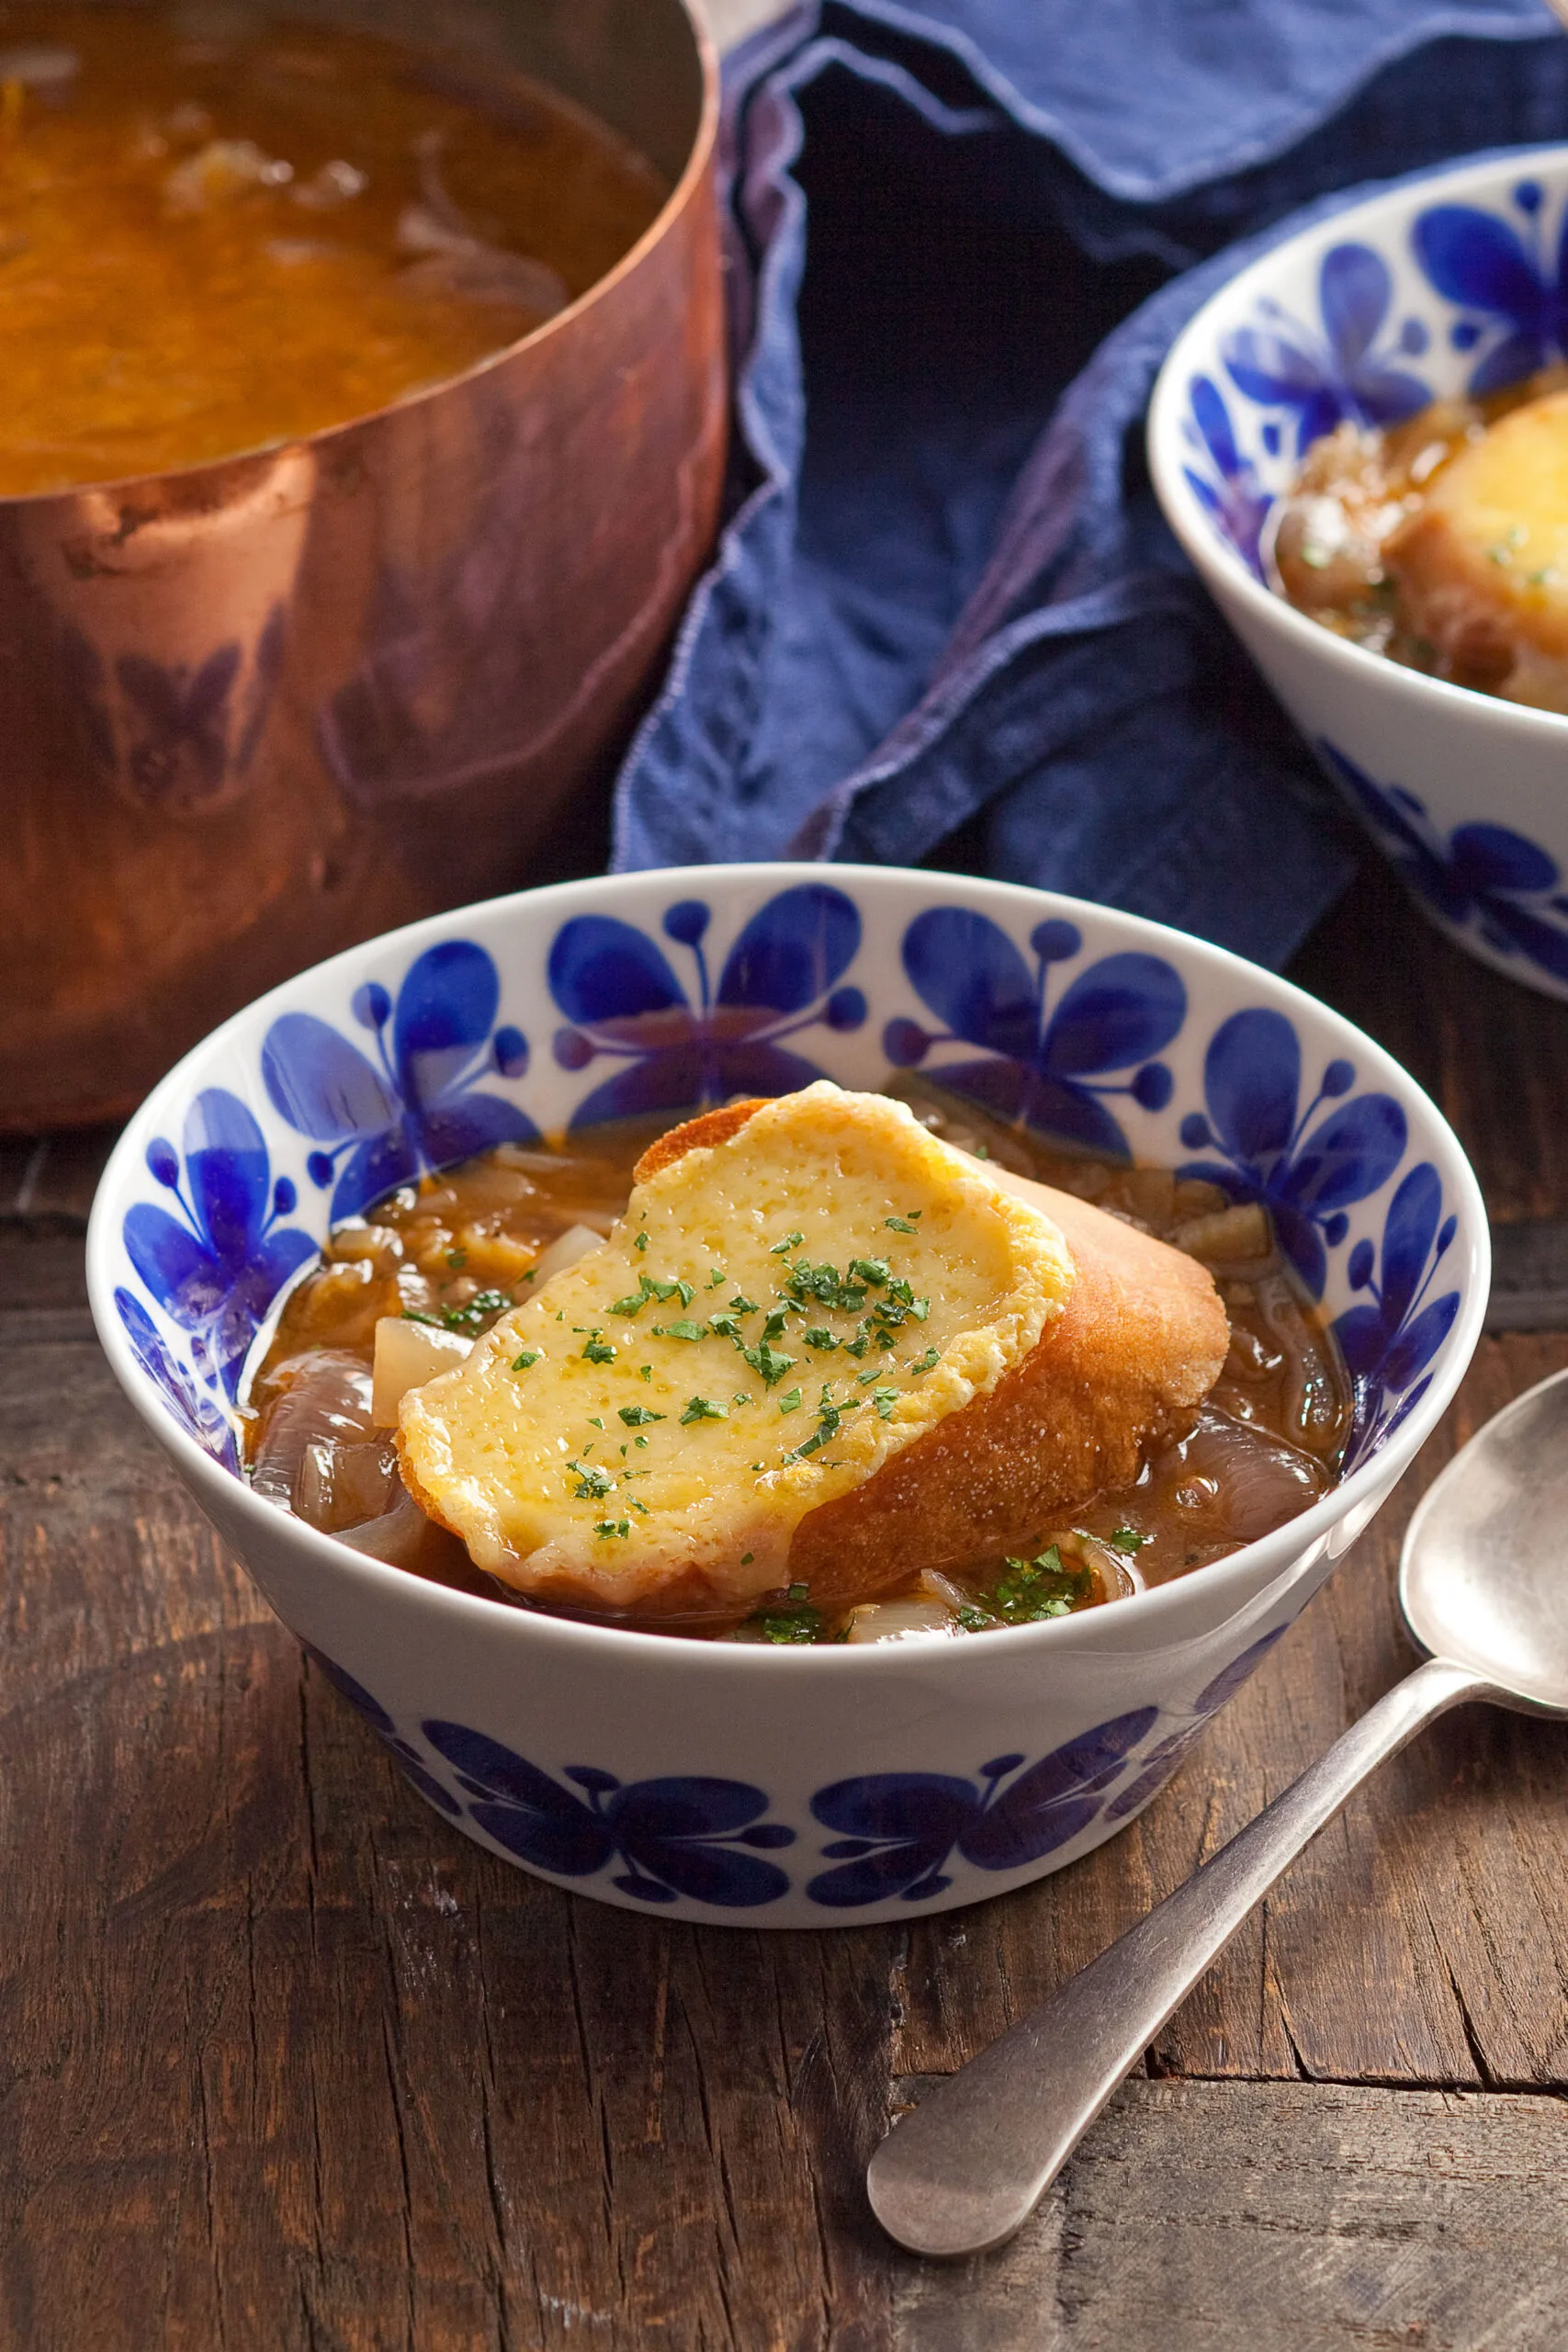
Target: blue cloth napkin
x,y
945,619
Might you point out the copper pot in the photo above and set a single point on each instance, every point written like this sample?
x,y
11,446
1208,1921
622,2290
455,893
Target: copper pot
x,y
255,711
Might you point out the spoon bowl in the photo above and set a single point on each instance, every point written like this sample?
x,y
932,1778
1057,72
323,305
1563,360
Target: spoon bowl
x,y
1483,1576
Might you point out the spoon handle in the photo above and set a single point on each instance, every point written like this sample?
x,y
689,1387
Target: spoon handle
x,y
966,2168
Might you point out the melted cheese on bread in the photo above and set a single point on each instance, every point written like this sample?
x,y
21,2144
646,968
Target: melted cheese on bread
x,y
777,1315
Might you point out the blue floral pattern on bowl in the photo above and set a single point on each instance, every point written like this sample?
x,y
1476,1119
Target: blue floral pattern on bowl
x,y
897,1833
1051,1074
1324,375
199,1416
216,1267
1157,1764
1507,277
419,1105
1389,1341
1308,1176
902,1826
1481,878
684,1835
683,1047
1229,489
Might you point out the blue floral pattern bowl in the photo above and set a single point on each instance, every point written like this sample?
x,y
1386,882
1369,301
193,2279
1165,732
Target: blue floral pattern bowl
x,y
1452,282
784,1787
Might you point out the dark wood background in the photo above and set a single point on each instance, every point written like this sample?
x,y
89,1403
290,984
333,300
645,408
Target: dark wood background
x,y
286,2063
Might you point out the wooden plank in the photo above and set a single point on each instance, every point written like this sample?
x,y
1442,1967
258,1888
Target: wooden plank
x,y
1221,2217
287,2065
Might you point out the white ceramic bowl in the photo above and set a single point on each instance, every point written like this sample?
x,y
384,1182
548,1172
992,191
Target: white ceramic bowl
x,y
1441,284
779,1787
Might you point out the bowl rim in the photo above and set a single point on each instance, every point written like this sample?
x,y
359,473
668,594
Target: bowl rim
x,y
375,1581
1219,565
699,157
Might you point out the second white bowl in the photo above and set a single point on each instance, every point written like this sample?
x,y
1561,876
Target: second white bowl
x,y
1437,286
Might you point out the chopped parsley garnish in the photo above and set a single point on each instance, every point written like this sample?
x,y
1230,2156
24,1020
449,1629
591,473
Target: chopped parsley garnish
x,y
741,1304
875,1271
898,1224
640,1242
1035,1589
703,1409
727,1326
747,1558
791,1241
594,1484
636,1416
645,1371
927,1363
529,1356
599,1350
645,1289
770,1363
613,1527
1128,1540
682,1330
796,1621
717,1277
885,1399
740,1397
413,1314
471,1317
790,1404
456,1258
982,1151
818,1337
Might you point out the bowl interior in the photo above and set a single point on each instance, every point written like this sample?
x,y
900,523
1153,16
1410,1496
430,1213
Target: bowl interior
x,y
657,994
1442,286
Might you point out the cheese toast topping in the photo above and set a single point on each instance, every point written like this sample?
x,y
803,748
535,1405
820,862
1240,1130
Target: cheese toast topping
x,y
775,1315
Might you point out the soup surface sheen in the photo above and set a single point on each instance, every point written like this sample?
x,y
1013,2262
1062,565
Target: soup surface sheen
x,y
457,1250
213,238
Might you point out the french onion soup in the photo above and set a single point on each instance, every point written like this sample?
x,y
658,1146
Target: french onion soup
x,y
833,1367
1442,541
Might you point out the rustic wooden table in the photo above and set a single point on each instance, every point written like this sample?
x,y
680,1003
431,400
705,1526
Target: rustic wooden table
x,y
285,2063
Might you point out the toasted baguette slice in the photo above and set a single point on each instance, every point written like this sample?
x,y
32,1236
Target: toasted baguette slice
x,y
964,1432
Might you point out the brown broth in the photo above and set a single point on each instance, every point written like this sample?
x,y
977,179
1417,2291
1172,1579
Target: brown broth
x,y
459,1248
214,238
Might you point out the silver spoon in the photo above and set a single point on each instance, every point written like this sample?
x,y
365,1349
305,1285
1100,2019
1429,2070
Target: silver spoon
x,y
1484,1585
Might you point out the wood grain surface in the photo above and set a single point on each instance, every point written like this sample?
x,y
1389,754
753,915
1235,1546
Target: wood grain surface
x,y
286,2062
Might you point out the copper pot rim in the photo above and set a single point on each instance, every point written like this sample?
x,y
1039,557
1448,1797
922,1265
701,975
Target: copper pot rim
x,y
692,172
